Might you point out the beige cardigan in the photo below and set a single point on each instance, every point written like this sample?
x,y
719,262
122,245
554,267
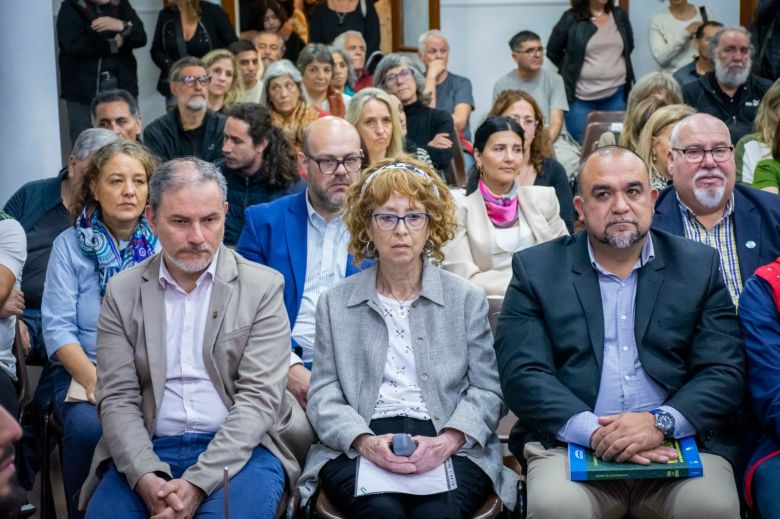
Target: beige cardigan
x,y
469,253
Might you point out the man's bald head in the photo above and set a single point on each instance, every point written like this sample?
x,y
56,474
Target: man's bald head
x,y
329,130
596,159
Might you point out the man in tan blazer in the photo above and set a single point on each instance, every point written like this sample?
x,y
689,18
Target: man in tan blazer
x,y
193,351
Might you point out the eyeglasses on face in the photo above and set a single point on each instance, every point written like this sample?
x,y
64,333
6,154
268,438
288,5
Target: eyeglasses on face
x,y
191,80
531,51
696,155
388,221
392,79
329,165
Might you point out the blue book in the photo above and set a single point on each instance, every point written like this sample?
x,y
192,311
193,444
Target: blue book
x,y
585,466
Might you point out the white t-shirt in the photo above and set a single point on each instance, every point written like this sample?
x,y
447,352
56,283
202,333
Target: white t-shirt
x,y
13,253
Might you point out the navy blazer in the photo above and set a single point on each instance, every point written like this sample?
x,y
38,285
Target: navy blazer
x,y
550,339
275,235
756,225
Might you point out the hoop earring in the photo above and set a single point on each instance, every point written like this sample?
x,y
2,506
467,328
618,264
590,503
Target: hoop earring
x,y
428,248
369,250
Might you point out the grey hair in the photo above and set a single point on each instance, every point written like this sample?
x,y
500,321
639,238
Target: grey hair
x,y
182,172
341,39
397,59
674,139
314,52
283,67
91,140
113,96
187,61
433,33
652,82
715,40
351,76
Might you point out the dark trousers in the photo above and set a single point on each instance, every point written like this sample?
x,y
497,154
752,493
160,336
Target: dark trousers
x,y
338,481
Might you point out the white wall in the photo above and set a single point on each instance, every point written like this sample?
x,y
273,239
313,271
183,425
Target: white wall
x,y
479,30
29,127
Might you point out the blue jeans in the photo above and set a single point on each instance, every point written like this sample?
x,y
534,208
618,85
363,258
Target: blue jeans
x,y
254,491
766,488
80,433
577,116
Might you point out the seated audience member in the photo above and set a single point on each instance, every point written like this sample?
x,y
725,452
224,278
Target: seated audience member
x,y
207,393
702,62
449,92
757,146
110,235
759,318
503,215
450,404
672,33
118,111
42,208
595,64
354,45
767,177
188,28
270,47
428,127
375,116
536,167
343,75
410,147
259,164
706,206
283,95
13,253
730,92
655,142
547,89
96,39
225,88
328,19
274,21
251,69
304,237
11,497
315,63
189,128
602,321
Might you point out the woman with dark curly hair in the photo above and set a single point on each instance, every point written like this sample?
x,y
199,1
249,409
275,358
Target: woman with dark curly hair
x,y
537,165
416,358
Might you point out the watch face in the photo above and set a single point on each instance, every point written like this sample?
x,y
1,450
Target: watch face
x,y
664,422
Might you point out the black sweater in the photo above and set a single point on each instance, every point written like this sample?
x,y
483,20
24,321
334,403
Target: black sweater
x,y
423,123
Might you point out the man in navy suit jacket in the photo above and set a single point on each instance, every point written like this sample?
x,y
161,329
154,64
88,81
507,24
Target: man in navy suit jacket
x,y
705,205
304,237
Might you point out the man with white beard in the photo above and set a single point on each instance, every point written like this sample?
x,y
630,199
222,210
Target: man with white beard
x,y
189,129
730,92
706,205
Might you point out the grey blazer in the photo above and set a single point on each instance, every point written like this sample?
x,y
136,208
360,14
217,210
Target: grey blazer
x,y
246,353
454,357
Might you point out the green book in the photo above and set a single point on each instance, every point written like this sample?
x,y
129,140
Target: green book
x,y
585,466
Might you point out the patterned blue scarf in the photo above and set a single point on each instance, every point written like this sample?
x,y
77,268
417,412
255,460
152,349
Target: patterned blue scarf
x,y
96,243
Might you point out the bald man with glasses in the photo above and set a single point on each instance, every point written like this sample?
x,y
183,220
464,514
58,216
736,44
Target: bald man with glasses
x,y
189,129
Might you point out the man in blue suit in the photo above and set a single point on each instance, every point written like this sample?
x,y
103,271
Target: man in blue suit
x,y
705,205
304,237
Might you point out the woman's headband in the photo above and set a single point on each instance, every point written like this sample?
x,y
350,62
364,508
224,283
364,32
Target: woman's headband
x,y
400,165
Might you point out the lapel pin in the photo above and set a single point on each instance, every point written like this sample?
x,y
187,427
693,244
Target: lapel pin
x,y
750,244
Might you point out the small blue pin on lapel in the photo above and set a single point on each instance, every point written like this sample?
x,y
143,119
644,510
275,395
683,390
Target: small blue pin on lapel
x,y
750,244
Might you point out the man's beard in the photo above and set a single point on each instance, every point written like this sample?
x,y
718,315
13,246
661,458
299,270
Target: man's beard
x,y
197,104
731,78
195,265
711,196
623,240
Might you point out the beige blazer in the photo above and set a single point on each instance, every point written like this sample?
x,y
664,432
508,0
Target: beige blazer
x,y
469,253
246,353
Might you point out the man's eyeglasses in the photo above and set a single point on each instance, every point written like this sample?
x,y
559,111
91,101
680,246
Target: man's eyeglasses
x,y
388,222
191,80
531,51
329,165
696,155
392,79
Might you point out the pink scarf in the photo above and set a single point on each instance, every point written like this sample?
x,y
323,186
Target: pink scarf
x,y
502,210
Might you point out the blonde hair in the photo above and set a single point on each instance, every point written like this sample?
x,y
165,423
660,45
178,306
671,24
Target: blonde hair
x,y
355,111
663,118
428,190
766,115
636,119
236,90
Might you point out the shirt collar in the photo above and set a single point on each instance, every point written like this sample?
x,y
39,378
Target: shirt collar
x,y
688,212
647,255
166,279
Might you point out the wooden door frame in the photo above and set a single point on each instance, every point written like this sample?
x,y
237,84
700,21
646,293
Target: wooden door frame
x,y
434,22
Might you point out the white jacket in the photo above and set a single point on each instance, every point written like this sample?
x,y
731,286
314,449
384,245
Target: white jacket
x,y
670,43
